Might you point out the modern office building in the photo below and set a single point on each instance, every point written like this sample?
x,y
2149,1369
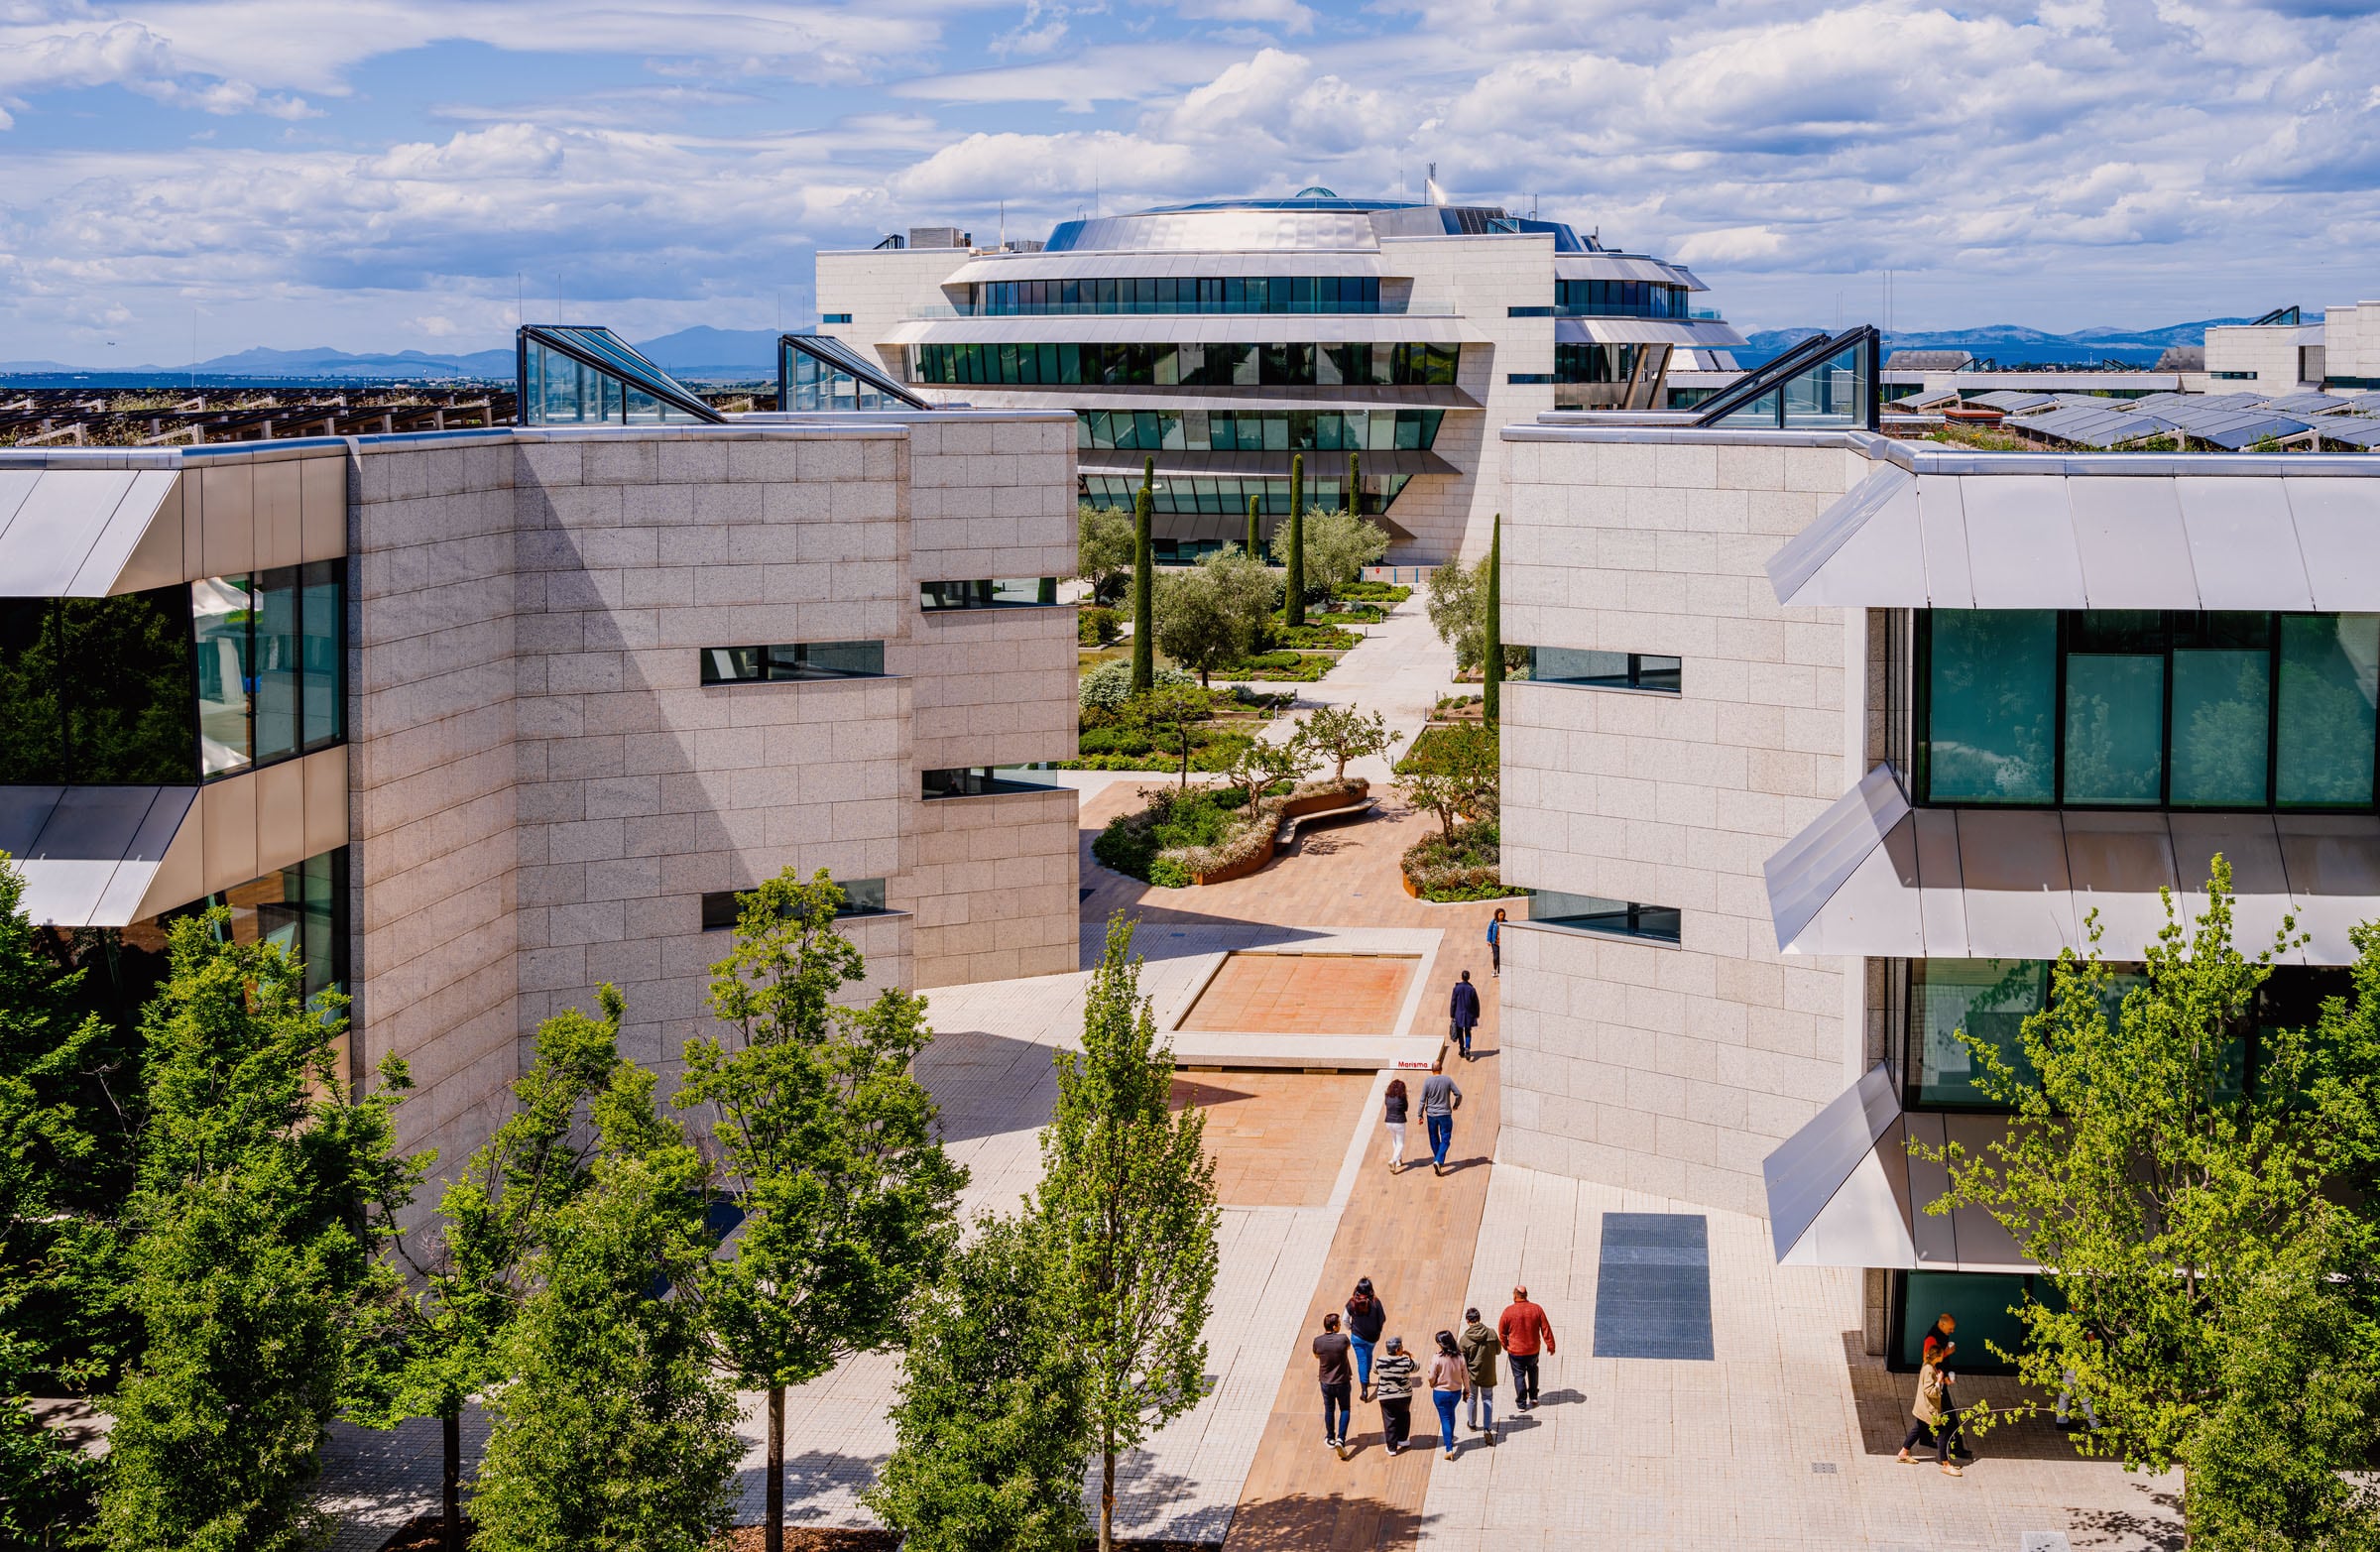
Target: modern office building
x,y
1832,742
482,719
1219,338
2286,352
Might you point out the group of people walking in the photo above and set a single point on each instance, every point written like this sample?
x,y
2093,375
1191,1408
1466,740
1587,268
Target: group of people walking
x,y
1441,1096
1353,1350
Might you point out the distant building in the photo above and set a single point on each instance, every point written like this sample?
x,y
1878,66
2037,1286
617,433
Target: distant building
x,y
1930,360
1219,338
2276,354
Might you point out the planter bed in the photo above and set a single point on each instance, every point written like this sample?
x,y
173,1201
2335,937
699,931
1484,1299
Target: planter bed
x,y
1214,838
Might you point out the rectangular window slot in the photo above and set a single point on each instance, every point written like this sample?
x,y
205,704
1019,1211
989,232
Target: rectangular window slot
x,y
975,781
1616,918
1604,670
861,897
799,661
1026,592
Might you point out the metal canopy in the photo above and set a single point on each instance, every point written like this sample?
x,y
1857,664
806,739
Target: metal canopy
x,y
1846,1191
1874,876
1189,329
606,353
1263,465
1645,331
2052,540
76,533
93,855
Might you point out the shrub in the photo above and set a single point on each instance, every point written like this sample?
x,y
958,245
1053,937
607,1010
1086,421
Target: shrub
x,y
1109,685
1350,614
1098,626
1389,593
1280,668
1464,864
1184,832
1316,637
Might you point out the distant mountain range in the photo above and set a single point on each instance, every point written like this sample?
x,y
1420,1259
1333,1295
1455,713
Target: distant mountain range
x,y
700,352
2009,344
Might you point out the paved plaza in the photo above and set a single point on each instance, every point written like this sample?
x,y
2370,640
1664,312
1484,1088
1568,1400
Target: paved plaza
x,y
1783,1438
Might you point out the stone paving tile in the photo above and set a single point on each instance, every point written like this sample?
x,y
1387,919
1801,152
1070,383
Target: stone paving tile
x,y
1277,1137
1650,1453
1304,993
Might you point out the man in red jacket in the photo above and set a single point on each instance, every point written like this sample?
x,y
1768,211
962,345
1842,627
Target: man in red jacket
x,y
1525,1331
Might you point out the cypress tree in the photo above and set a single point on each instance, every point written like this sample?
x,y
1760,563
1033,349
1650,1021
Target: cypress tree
x,y
1294,606
1145,627
1354,484
1251,530
1492,668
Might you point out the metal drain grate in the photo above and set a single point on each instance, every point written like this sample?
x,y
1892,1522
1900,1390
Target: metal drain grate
x,y
1653,1286
1822,1469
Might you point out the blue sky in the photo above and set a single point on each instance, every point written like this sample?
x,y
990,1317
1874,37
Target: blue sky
x,y
383,174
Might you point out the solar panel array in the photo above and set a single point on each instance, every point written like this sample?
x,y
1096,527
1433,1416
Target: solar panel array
x,y
2235,421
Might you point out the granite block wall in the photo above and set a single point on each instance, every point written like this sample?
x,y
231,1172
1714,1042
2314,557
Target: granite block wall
x,y
1669,1069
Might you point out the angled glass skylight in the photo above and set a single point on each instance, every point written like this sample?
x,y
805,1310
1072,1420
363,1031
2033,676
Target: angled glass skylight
x,y
820,372
579,376
1820,383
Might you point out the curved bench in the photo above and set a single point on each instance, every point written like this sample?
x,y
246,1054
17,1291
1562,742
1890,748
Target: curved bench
x,y
1286,836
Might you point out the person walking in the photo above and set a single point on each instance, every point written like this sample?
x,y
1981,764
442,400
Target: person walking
x,y
1524,1332
1330,1353
1935,1423
1941,1342
1366,1315
1392,1115
1395,1375
1440,1098
1495,944
1449,1377
1463,1011
1479,1347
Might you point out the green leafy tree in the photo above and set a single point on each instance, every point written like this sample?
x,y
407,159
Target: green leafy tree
x,y
1144,566
1491,624
265,1192
614,1434
2209,1231
440,1345
1338,546
1454,772
827,1142
1294,593
1259,764
993,1435
1457,607
1215,612
1103,548
1344,733
1126,1202
1170,715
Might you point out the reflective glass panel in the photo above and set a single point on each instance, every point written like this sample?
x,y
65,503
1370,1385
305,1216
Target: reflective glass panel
x,y
1593,913
2330,671
301,909
2222,706
1989,999
1982,1306
1989,732
97,690
322,665
220,612
275,663
2115,707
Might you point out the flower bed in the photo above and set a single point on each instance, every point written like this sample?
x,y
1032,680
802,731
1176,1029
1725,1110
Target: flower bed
x,y
1206,835
1465,864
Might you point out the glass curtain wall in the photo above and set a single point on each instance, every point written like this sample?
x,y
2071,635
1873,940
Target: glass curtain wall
x,y
817,386
1293,364
1595,363
1839,390
798,660
2148,709
1180,494
1293,430
270,665
561,390
1620,300
1179,293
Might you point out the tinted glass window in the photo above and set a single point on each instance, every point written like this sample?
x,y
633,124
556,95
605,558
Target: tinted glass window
x,y
97,690
2329,665
1593,913
796,661
1993,678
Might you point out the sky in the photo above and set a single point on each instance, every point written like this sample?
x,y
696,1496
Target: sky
x,y
375,174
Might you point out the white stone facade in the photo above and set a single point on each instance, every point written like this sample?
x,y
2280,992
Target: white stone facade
x,y
544,789
1670,1069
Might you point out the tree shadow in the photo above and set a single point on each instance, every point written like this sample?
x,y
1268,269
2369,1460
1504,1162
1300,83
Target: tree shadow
x,y
1301,1523
2006,1419
2158,1531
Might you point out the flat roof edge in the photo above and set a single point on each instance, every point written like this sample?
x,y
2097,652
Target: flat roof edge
x,y
1920,459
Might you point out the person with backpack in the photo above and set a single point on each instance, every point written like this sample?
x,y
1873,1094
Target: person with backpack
x,y
1365,1316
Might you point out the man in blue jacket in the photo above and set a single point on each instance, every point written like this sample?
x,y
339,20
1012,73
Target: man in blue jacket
x,y
1465,1012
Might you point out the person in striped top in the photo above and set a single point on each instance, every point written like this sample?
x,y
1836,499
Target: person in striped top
x,y
1392,1382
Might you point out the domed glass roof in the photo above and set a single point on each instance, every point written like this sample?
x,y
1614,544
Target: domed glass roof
x,y
1315,191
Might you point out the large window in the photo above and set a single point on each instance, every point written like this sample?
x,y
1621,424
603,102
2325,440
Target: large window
x,y
1256,431
975,781
270,665
173,685
303,909
2147,708
1616,918
1620,300
1577,363
1604,670
1991,999
1288,364
799,661
1180,293
1984,1306
1021,592
97,690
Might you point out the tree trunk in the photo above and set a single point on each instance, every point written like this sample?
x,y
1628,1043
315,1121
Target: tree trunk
x,y
450,1478
1106,1500
773,1538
